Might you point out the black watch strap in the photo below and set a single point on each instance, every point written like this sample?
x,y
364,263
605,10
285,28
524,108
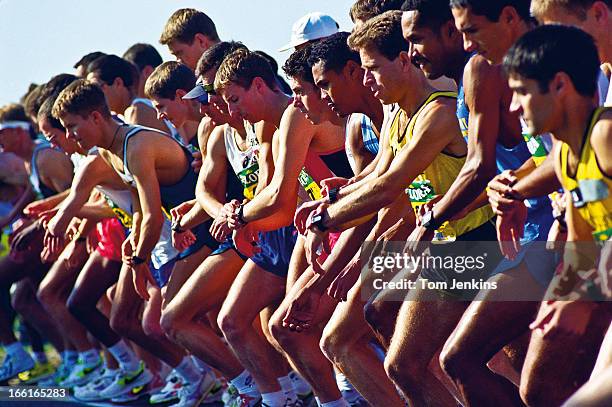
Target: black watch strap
x,y
138,260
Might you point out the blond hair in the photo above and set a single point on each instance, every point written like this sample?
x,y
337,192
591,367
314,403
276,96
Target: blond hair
x,y
383,33
241,67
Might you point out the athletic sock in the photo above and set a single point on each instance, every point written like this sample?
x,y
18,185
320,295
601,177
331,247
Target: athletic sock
x,y
40,357
245,384
188,370
201,365
90,358
287,387
276,399
335,403
343,383
300,386
125,356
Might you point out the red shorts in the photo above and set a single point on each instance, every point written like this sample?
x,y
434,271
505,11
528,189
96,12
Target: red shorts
x,y
332,239
110,234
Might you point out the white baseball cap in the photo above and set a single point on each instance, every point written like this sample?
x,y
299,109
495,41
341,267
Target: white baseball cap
x,y
311,27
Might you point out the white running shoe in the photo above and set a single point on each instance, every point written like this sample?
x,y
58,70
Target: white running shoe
x,y
170,392
192,394
82,374
124,382
91,390
137,392
13,365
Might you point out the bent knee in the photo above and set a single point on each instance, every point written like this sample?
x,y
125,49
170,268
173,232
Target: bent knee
x,y
152,328
232,326
169,323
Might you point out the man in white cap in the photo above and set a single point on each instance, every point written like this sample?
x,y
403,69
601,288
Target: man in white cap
x,y
312,26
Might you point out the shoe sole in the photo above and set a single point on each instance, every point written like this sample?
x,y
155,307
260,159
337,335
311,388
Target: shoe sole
x,y
141,381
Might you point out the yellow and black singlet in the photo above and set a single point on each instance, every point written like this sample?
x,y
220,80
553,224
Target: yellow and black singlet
x,y
589,186
437,178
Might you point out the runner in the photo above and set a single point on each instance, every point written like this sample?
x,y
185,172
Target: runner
x,y
581,159
187,34
119,80
83,111
50,172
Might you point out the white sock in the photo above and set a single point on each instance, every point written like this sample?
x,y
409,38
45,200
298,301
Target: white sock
x,y
40,357
244,383
300,386
188,370
276,399
336,403
125,356
16,349
70,357
90,357
343,383
201,365
287,387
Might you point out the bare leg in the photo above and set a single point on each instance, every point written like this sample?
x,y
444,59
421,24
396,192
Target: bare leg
x,y
425,321
345,342
487,326
205,289
253,290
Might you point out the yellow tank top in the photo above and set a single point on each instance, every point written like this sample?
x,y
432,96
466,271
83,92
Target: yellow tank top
x,y
590,188
437,178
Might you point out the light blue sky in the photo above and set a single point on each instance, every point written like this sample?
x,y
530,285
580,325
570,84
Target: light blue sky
x,y
41,38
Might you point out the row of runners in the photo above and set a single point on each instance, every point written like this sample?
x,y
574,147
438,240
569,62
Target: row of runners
x,y
202,229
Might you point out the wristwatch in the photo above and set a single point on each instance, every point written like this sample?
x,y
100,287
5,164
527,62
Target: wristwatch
x,y
332,194
137,260
241,214
176,226
428,221
317,221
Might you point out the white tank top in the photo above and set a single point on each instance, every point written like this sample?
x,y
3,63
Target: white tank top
x,y
244,163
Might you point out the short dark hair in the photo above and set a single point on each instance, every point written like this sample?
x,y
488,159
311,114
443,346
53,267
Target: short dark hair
x,y
111,67
432,13
241,67
274,66
46,113
297,66
13,112
543,52
81,98
365,9
492,9
167,78
53,87
184,24
88,59
383,32
333,52
143,55
214,56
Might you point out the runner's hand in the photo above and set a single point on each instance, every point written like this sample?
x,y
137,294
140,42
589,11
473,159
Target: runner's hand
x,y
302,310
347,278
33,209
563,318
196,164
219,229
182,240
181,210
141,275
230,213
304,212
510,228
245,240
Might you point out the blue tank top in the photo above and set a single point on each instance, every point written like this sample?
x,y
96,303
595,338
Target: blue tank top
x,y
42,190
370,140
177,193
539,211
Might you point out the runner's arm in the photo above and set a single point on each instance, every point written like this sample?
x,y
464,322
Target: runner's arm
x,y
277,201
484,123
141,158
434,131
210,189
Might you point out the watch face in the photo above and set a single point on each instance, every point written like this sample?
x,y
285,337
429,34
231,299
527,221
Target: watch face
x,y
427,218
